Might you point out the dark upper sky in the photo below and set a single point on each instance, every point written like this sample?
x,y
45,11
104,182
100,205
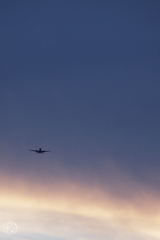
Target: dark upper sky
x,y
81,78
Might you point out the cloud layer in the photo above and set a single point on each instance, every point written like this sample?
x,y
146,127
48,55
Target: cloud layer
x,y
70,210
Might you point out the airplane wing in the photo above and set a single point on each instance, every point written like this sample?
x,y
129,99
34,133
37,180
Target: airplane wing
x,y
33,150
46,151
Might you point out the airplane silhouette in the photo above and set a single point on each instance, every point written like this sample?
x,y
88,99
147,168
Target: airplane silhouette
x,y
39,150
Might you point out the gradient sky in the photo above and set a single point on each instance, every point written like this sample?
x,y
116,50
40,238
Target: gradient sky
x,y
80,78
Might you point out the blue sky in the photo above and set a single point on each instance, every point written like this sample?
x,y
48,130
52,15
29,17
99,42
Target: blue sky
x,y
82,79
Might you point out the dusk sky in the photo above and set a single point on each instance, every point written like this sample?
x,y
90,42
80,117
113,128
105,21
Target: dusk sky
x,y
80,78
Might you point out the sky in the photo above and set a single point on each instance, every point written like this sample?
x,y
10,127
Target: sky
x,y
80,78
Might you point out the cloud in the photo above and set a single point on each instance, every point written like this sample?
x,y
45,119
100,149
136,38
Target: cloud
x,y
72,210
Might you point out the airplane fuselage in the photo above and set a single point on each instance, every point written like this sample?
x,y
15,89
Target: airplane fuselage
x,y
40,150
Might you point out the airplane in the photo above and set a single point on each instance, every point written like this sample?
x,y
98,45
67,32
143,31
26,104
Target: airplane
x,y
39,150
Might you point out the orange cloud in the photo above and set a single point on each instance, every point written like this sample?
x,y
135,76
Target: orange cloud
x,y
76,207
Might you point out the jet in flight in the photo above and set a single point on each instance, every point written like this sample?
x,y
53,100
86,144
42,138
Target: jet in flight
x,y
39,150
